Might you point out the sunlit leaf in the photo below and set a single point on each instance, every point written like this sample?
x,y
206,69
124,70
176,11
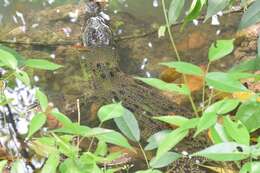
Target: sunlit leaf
x,y
223,106
170,141
173,119
2,165
164,160
217,134
8,59
250,167
42,64
51,164
42,98
171,87
207,120
61,117
110,111
115,138
36,123
184,67
223,82
228,151
101,149
161,31
23,76
237,131
248,114
220,49
128,125
155,139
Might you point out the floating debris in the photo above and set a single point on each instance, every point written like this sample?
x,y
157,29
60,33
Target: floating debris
x,y
150,44
155,3
215,20
195,22
74,15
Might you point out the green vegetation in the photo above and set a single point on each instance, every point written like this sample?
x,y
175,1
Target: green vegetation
x,y
229,121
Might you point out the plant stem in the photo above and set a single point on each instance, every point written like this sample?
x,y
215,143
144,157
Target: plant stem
x,y
92,139
204,85
177,54
79,119
145,157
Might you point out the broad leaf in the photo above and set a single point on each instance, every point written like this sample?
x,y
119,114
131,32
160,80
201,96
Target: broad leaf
x,y
8,59
51,164
171,87
155,139
42,64
207,120
223,106
2,165
251,16
237,131
215,6
36,123
248,114
184,67
250,167
164,160
228,151
223,82
175,10
220,49
115,138
23,76
63,119
43,100
218,134
128,125
110,111
170,141
173,119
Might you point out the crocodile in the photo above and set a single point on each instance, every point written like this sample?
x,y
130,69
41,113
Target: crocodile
x,y
92,73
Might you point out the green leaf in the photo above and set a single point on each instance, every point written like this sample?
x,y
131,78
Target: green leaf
x,y
42,98
223,82
8,59
128,125
101,149
237,131
173,119
170,141
258,46
175,9
164,160
248,114
69,166
115,138
23,76
76,129
63,119
250,167
170,87
251,16
194,11
155,139
184,67
110,111
218,134
207,120
42,64
248,65
51,164
2,165
36,123
228,151
220,49
149,171
215,6
20,59
223,106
